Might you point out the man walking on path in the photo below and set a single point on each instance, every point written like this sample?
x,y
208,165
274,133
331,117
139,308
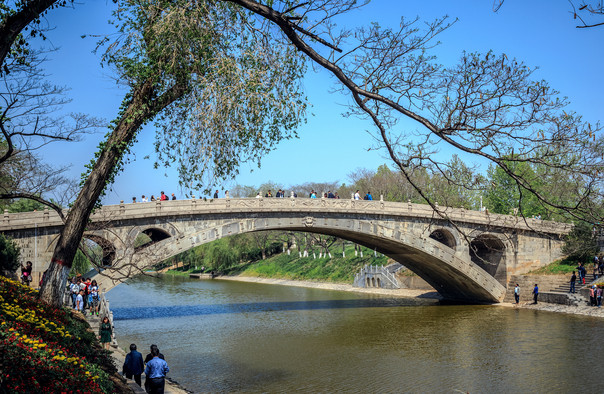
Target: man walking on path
x,y
517,293
573,279
133,365
535,293
155,373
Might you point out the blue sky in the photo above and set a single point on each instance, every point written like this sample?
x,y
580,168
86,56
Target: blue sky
x,y
541,33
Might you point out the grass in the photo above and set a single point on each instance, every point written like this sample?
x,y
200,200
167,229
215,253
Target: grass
x,y
558,267
336,269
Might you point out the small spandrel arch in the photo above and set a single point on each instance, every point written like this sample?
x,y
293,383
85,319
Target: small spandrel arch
x,y
149,236
100,250
445,237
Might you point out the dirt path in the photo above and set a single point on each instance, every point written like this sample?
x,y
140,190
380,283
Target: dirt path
x,y
335,286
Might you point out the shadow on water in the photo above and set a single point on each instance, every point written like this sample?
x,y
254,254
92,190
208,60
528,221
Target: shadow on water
x,y
194,310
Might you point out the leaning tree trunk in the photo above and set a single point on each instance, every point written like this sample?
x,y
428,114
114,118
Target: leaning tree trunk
x,y
141,108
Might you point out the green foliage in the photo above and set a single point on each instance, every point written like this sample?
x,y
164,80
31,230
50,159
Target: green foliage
x,y
334,269
9,254
505,196
279,265
141,240
222,254
559,267
219,92
25,205
581,244
81,264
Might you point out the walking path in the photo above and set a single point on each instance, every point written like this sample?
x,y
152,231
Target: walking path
x,y
119,355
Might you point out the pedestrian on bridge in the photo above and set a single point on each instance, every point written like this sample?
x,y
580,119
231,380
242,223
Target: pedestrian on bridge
x,y
535,293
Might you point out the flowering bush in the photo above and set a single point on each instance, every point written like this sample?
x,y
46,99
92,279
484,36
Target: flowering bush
x,y
43,348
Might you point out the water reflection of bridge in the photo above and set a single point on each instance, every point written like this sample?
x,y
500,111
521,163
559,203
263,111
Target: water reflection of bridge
x,y
468,256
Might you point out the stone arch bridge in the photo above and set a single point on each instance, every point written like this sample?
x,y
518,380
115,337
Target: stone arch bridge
x,y
468,257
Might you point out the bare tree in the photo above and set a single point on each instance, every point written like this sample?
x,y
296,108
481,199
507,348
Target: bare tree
x,y
588,13
487,106
324,242
31,119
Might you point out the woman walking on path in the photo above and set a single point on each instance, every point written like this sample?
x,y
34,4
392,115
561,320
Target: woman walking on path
x,y
105,333
94,298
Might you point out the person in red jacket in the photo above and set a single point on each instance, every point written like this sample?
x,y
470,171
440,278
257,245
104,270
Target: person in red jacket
x,y
163,197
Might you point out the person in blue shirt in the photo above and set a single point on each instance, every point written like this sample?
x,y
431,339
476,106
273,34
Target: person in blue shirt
x,y
155,373
133,365
535,293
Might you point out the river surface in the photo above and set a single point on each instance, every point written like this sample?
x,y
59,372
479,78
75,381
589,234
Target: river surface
x,y
224,336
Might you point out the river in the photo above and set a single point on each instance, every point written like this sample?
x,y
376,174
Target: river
x,y
225,336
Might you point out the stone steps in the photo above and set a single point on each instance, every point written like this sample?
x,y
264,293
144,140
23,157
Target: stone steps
x,y
552,289
546,283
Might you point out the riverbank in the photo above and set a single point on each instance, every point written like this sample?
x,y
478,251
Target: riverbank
x,y
335,286
583,310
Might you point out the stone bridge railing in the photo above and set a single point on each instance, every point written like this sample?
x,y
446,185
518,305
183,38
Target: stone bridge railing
x,y
46,218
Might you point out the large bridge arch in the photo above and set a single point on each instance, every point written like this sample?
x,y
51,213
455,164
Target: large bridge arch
x,y
438,264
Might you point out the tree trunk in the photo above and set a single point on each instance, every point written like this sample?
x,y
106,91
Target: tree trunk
x,y
141,108
14,24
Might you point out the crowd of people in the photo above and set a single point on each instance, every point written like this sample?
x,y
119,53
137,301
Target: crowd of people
x,y
154,366
595,291
84,294
313,194
162,197
279,194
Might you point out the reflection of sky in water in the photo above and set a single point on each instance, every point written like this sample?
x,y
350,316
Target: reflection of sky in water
x,y
193,310
232,336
